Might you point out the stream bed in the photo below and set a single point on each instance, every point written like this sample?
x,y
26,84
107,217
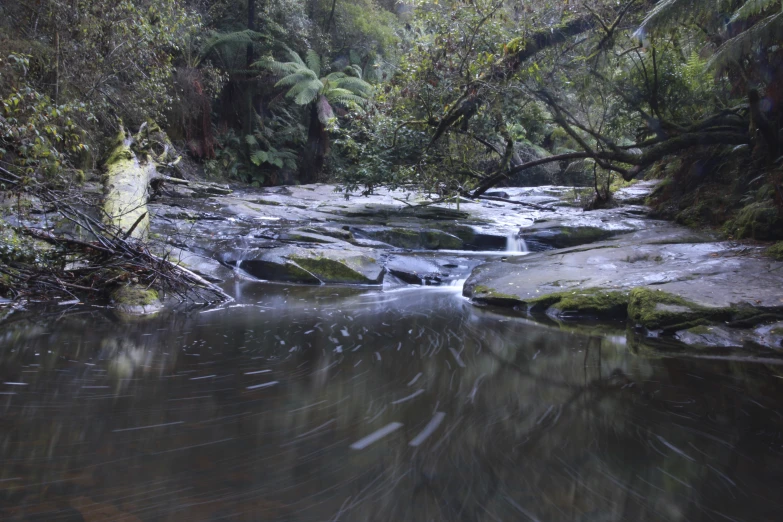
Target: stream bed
x,y
358,404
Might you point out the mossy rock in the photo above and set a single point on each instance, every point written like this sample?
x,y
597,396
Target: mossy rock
x,y
589,302
278,270
133,300
343,271
757,221
657,310
314,266
564,237
487,295
776,251
428,239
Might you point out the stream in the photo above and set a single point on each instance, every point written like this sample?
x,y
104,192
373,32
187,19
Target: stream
x,y
351,403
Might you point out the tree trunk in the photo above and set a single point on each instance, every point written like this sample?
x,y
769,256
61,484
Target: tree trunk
x,y
315,149
247,124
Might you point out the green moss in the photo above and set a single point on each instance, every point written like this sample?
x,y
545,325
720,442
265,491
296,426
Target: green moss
x,y
135,295
656,310
595,302
757,221
485,294
418,239
436,239
776,251
125,200
330,270
267,202
306,239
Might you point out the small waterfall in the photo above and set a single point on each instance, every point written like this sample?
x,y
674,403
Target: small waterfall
x,y
514,243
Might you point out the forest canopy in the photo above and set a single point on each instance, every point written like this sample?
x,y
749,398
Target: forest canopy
x,y
454,97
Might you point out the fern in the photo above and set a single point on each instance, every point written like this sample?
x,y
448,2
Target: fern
x,y
765,31
236,38
313,62
355,85
754,7
345,97
671,12
300,76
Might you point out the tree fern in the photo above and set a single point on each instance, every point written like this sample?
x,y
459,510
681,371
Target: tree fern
x,y
765,31
324,110
237,38
313,62
354,85
671,12
754,7
345,97
300,76
306,93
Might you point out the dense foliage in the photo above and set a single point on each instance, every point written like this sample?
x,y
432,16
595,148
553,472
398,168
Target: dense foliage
x,y
449,95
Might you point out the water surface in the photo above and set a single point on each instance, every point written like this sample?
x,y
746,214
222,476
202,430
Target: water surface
x,y
315,404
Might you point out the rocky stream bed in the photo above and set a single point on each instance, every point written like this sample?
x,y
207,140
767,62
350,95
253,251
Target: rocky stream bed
x,y
532,251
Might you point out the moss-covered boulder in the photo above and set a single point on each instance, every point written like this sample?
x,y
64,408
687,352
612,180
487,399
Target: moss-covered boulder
x,y
482,294
564,236
588,302
657,310
415,239
135,300
757,221
314,266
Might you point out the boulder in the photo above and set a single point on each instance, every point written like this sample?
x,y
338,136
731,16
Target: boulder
x,y
313,266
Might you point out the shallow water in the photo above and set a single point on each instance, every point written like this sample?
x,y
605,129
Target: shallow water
x,y
311,404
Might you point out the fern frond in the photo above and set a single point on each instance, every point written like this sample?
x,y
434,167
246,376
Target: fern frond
x,y
345,98
235,38
278,68
355,85
753,7
670,12
313,62
302,75
765,32
295,57
305,92
354,70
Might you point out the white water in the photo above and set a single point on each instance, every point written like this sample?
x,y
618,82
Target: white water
x,y
514,243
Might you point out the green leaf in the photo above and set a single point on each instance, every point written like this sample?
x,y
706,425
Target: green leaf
x,y
258,157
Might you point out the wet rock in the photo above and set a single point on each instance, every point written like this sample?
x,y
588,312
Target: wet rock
x,y
415,270
313,266
588,302
208,268
135,300
666,284
657,310
711,337
563,237
302,236
414,239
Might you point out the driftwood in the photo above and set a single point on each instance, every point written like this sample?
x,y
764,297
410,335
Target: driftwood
x,y
108,258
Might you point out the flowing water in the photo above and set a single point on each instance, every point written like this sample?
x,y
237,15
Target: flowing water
x,y
317,404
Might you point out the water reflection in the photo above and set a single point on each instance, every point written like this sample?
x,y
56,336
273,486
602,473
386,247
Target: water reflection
x,y
302,404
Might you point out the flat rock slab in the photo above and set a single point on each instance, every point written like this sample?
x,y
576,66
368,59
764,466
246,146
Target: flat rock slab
x,y
661,278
